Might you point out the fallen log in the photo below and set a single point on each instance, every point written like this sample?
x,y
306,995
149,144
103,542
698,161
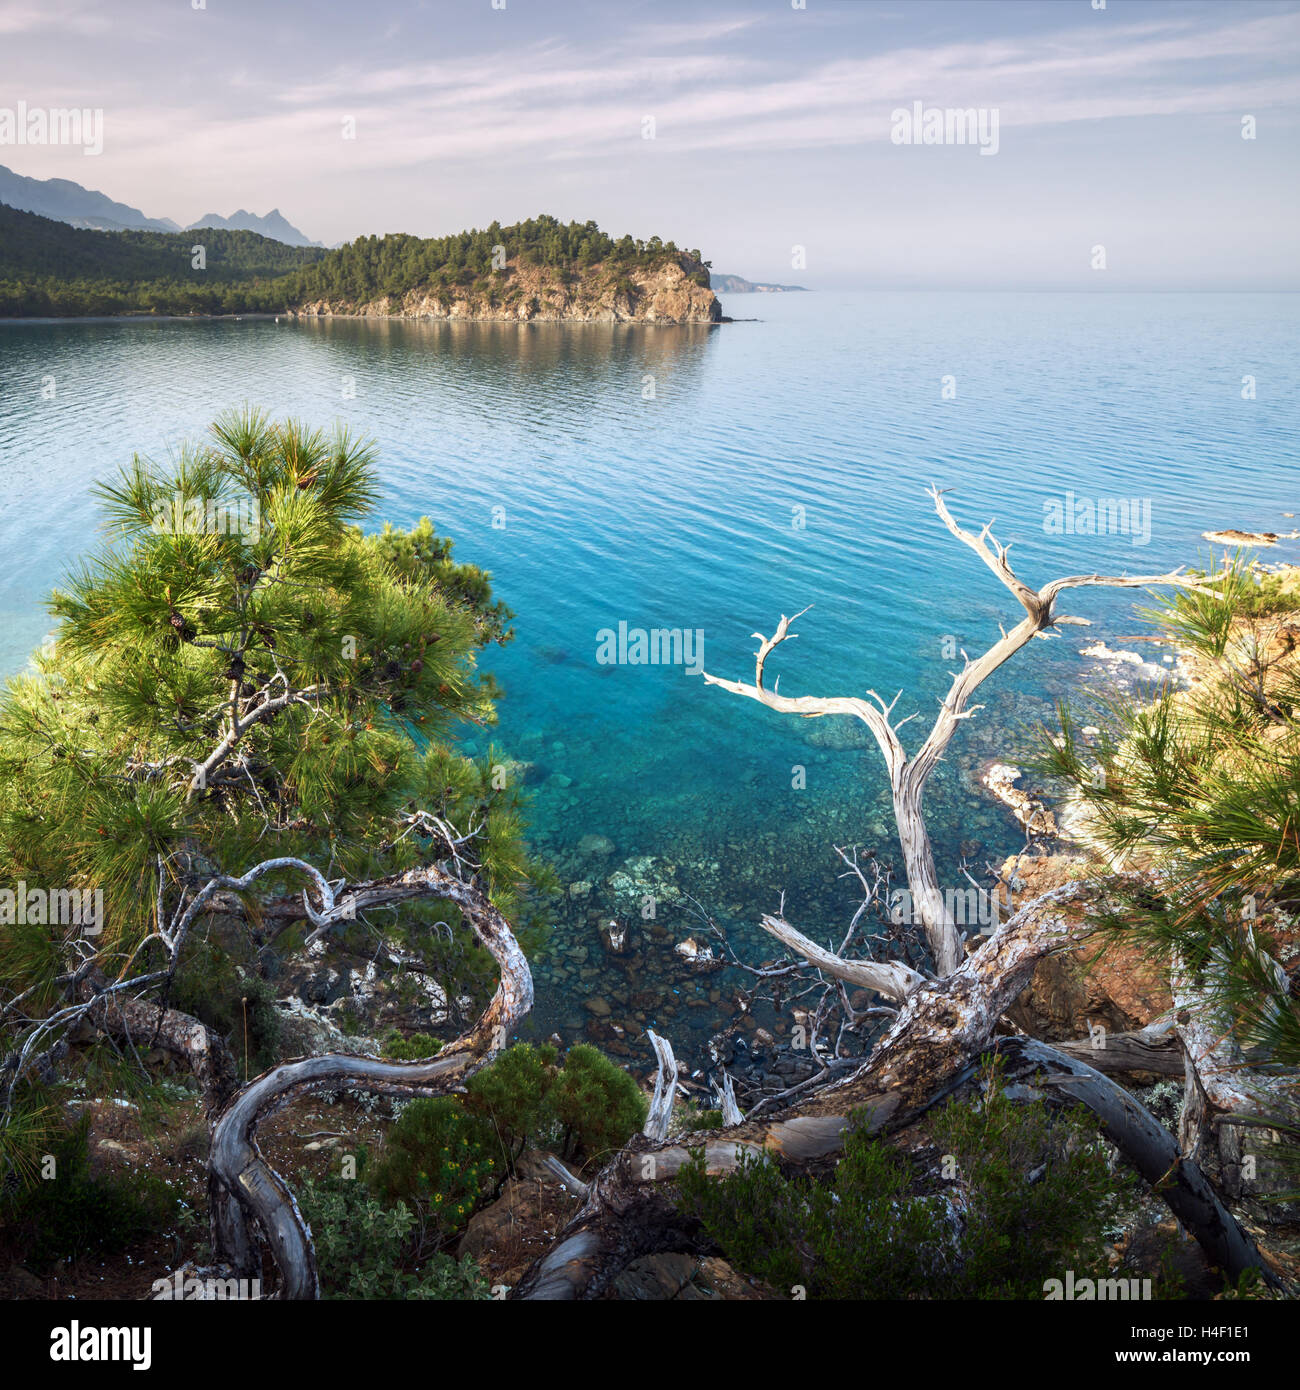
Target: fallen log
x,y
944,1028
1152,1049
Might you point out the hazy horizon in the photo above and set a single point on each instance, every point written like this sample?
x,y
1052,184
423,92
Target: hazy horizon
x,y
772,128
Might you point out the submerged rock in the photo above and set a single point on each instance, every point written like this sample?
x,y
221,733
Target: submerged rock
x,y
615,937
838,731
600,845
643,878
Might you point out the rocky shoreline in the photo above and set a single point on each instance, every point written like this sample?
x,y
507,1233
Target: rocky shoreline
x,y
537,294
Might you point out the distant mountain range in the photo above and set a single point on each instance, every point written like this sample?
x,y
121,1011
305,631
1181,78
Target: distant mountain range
x,y
65,201
273,225
737,284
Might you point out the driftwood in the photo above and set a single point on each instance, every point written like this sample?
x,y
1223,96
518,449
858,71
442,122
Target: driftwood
x,y
557,1170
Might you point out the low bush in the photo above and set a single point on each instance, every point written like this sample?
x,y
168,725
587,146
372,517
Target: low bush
x,y
598,1104
364,1247
513,1095
1033,1195
585,1108
441,1163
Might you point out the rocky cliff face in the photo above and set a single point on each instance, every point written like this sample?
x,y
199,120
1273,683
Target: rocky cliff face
x,y
540,294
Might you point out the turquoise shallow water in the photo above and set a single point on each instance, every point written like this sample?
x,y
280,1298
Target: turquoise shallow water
x,y
651,476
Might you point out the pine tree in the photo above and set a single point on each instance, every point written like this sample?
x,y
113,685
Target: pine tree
x,y
1200,788
242,676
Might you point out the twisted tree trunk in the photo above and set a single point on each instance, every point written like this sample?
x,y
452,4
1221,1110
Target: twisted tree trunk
x,y
246,1193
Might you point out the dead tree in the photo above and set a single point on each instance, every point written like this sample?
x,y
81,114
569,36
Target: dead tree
x,y
909,773
943,1029
943,1025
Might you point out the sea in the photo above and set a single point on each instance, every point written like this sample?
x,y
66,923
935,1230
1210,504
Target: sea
x,y
642,490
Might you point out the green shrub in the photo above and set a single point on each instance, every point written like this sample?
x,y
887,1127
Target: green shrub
x,y
855,1238
362,1246
1035,1196
439,1161
598,1104
513,1095
413,1049
587,1107
1039,1192
76,1212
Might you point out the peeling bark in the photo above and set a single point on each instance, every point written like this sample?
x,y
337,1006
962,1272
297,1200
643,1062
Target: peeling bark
x,y
1153,1049
661,1104
1221,1084
145,1023
726,1093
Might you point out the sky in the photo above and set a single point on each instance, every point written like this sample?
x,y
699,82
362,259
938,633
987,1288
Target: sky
x,y
761,131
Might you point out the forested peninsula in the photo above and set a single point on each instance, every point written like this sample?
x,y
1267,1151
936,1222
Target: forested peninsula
x,y
540,269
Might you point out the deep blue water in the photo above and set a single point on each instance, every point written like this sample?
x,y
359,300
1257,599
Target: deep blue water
x,y
678,511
